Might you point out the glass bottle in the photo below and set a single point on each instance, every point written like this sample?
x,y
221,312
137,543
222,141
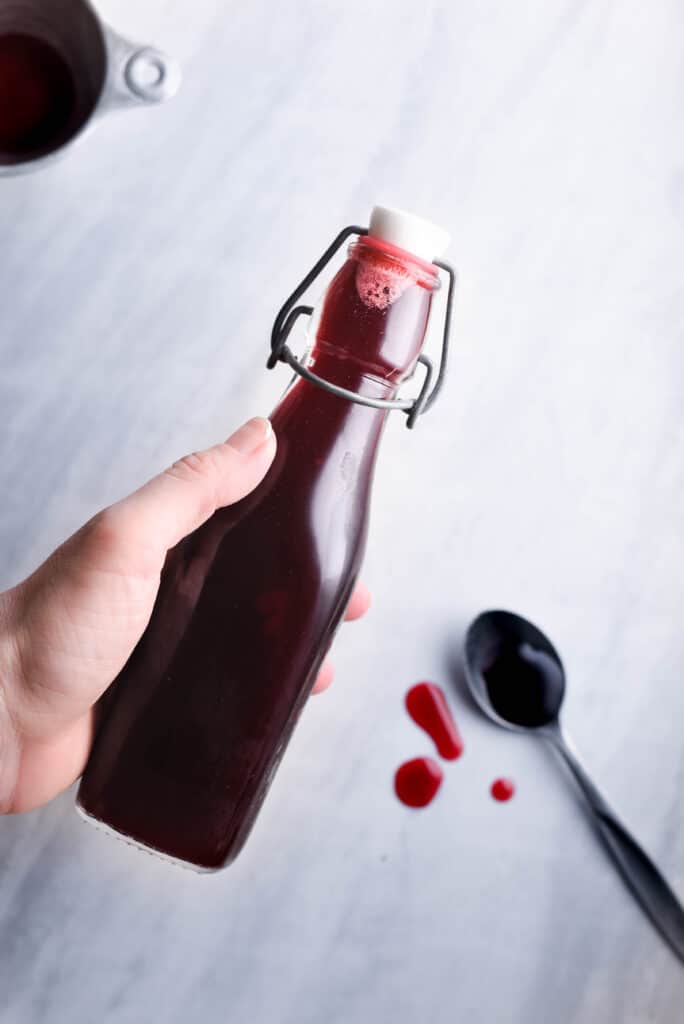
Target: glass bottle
x,y
249,603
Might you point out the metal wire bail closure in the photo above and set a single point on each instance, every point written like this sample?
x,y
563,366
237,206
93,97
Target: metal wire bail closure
x,y
290,313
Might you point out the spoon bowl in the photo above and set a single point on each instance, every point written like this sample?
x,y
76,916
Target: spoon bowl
x,y
513,671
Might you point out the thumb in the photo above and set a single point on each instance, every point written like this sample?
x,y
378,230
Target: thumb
x,y
77,618
173,504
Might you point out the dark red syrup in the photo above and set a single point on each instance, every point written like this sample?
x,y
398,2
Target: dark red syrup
x,y
37,96
427,706
416,782
524,683
248,603
502,790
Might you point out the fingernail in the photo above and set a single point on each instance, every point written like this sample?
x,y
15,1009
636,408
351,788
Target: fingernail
x,y
250,436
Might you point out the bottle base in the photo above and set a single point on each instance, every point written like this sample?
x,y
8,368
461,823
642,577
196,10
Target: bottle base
x,y
130,841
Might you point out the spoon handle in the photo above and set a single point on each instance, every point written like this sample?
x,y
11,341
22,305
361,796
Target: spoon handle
x,y
639,872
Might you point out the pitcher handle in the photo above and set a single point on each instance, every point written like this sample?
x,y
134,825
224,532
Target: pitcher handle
x,y
137,74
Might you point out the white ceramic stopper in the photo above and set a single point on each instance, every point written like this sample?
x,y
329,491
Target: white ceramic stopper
x,y
415,235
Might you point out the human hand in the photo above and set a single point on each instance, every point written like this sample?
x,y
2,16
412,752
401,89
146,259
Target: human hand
x,y
67,631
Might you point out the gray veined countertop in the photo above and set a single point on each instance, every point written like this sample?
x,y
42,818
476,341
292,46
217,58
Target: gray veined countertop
x,y
138,282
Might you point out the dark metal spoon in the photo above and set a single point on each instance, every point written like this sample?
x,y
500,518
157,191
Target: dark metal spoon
x,y
517,678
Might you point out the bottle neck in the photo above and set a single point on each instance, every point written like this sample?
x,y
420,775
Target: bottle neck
x,y
374,315
315,420
370,333
345,370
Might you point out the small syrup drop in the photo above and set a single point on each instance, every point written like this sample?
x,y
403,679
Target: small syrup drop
x,y
502,790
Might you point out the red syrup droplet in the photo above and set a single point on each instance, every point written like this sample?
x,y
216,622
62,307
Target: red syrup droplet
x,y
416,782
427,706
502,790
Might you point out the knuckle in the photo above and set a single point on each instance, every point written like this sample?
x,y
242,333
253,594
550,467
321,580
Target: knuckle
x,y
103,537
112,541
105,527
199,469
197,464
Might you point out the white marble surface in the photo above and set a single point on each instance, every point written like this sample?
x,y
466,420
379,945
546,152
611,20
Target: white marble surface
x,y
138,281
